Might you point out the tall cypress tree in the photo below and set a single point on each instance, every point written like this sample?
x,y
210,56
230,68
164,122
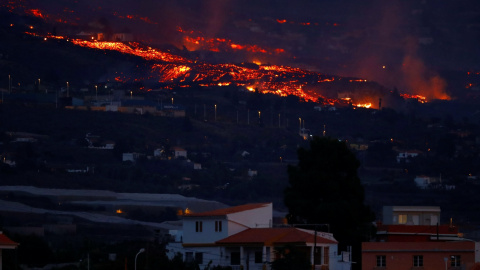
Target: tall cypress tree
x,y
324,188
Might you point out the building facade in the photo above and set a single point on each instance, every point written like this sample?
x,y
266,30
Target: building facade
x,y
410,237
243,237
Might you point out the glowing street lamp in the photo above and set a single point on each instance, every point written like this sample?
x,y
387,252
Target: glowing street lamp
x,y
131,94
96,93
68,86
140,251
300,127
215,112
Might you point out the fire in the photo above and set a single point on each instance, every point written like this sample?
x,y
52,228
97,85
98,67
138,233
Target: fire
x,y
419,98
133,48
365,105
199,42
171,72
175,71
36,13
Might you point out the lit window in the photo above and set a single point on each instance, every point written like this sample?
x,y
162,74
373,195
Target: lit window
x,y
198,226
381,261
402,219
218,226
455,260
418,260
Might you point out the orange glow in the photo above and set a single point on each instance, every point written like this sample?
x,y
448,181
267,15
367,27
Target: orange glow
x,y
36,13
221,44
119,211
281,21
133,48
419,98
175,71
366,105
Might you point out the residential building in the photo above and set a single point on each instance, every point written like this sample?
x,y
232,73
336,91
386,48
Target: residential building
x,y
407,155
243,237
427,182
179,152
411,215
410,237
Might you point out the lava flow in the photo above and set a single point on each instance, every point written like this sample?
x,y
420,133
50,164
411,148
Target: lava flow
x,y
199,42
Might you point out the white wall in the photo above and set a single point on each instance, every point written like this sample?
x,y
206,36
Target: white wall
x,y
208,233
255,218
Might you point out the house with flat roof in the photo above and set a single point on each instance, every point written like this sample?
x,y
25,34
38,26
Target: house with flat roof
x,y
410,237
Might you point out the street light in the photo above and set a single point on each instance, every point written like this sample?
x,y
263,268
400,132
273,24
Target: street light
x,y
140,251
215,112
67,89
96,93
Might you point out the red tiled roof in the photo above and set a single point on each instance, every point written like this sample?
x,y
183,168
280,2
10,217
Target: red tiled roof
x,y
5,241
269,236
230,210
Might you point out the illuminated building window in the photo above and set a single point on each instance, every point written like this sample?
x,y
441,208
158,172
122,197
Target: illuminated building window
x,y
418,260
402,219
218,226
455,260
381,261
198,226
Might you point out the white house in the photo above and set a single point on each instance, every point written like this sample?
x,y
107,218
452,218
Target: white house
x,y
179,152
407,155
425,182
242,237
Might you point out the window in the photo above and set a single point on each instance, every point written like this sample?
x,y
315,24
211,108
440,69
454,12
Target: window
x,y
235,258
402,219
198,226
418,260
218,226
326,251
455,260
258,257
381,261
188,256
199,257
317,256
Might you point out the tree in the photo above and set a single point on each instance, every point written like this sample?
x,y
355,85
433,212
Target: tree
x,y
324,188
